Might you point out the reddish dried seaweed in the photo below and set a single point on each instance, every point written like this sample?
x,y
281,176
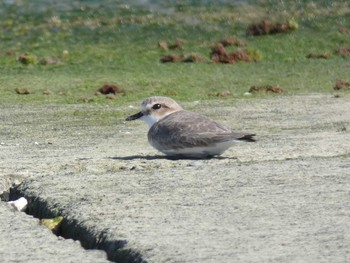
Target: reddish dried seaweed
x,y
266,88
267,27
341,84
108,88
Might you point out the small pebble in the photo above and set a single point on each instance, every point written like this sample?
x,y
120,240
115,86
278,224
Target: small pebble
x,y
19,204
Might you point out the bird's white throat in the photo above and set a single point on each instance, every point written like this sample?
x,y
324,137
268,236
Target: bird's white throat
x,y
150,119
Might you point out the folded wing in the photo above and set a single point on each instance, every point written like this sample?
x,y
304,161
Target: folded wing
x,y
186,129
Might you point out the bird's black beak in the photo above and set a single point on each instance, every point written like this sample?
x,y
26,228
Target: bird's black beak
x,y
135,116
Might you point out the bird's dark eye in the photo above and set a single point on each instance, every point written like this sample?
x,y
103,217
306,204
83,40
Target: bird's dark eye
x,y
156,106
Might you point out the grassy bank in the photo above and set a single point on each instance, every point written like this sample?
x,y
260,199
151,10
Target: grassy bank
x,y
97,42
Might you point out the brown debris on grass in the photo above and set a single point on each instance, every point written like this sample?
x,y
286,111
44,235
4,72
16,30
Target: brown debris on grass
x,y
27,59
220,55
341,84
192,58
181,58
266,88
233,42
241,55
324,55
267,27
343,51
22,91
262,28
108,88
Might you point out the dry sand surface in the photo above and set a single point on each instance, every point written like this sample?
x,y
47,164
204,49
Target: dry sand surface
x,y
285,198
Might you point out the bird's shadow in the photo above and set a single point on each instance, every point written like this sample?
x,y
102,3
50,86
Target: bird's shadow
x,y
164,157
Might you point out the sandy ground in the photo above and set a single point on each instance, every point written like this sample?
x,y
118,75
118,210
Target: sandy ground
x,y
285,198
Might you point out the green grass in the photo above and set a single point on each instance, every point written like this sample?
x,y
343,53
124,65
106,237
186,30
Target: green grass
x,y
112,42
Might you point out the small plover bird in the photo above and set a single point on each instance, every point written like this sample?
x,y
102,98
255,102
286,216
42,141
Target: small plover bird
x,y
183,134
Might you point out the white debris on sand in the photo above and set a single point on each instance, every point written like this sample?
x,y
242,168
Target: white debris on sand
x,y
19,204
